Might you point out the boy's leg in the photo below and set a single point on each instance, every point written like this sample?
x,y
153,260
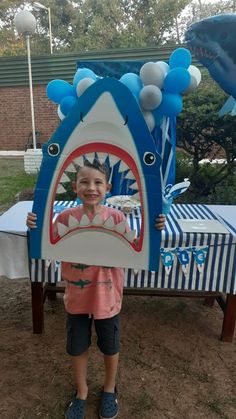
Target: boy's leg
x,y
80,364
108,333
78,342
111,365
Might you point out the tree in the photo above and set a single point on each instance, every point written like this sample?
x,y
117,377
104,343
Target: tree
x,y
82,25
202,133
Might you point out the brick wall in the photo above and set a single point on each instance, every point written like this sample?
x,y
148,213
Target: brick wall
x,y
15,116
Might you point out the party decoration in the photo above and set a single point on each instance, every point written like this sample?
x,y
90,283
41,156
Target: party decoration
x,y
165,68
152,73
182,75
58,89
130,124
184,256
66,104
150,97
83,85
83,73
106,121
167,257
213,42
133,82
181,57
199,255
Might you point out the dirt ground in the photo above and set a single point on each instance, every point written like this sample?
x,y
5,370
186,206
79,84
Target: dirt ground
x,y
172,363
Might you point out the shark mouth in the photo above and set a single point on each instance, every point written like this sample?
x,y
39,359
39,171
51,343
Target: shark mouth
x,y
202,52
97,152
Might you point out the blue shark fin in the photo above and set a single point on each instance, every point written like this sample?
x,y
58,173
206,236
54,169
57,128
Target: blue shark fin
x,y
229,107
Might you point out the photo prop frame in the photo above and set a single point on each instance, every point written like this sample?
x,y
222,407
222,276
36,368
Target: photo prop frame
x,y
106,120
130,124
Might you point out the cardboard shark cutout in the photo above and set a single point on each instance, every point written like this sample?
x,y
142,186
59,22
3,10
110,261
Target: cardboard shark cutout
x,y
106,120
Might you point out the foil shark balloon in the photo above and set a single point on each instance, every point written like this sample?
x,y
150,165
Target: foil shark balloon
x,y
212,40
106,121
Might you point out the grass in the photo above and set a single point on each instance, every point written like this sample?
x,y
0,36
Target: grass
x,y
13,180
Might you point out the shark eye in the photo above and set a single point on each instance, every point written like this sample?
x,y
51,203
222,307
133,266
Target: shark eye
x,y
53,149
149,158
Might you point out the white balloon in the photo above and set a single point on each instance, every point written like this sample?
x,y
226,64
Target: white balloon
x,y
163,66
195,72
150,97
151,73
149,119
60,114
193,85
83,85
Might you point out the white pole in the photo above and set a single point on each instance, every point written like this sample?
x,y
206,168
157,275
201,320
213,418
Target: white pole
x,y
31,90
50,28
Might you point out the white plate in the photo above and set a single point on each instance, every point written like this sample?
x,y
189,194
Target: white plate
x,y
123,201
202,226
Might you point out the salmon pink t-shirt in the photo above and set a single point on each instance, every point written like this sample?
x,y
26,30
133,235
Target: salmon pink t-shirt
x,y
95,290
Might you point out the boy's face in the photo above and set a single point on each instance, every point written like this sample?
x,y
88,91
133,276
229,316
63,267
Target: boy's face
x,y
91,186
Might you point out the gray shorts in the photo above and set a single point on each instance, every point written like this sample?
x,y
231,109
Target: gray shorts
x,y
79,330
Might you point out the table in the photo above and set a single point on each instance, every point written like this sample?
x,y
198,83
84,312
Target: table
x,y
219,273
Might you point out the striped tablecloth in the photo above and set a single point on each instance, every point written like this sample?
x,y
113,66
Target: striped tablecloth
x,y
219,272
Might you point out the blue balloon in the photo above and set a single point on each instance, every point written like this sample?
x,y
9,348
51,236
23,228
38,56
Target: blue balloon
x,y
171,105
180,57
67,103
58,89
177,80
133,82
81,73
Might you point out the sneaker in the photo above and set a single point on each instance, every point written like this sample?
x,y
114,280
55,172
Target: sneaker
x,y
109,406
76,409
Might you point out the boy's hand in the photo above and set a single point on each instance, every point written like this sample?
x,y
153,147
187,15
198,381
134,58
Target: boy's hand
x,y
31,220
160,222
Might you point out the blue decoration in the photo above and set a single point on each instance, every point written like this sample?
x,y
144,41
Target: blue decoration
x,y
180,57
58,89
133,82
213,40
82,73
177,80
67,103
105,120
171,105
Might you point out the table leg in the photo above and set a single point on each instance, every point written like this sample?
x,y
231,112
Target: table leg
x,y
37,306
227,333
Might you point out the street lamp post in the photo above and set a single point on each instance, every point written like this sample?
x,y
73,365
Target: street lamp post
x,y
25,24
38,6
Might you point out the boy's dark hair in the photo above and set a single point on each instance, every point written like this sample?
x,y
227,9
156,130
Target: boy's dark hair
x,y
102,167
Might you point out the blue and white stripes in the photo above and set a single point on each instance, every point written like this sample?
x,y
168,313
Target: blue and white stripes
x,y
219,273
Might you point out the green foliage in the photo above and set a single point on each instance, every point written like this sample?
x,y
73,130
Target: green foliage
x,y
13,180
204,189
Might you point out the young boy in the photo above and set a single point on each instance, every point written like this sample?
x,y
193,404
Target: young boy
x,y
93,293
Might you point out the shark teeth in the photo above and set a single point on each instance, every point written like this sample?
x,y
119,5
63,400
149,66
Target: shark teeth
x,y
71,168
130,175
102,157
97,221
72,222
60,189
90,157
109,223
134,186
65,178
